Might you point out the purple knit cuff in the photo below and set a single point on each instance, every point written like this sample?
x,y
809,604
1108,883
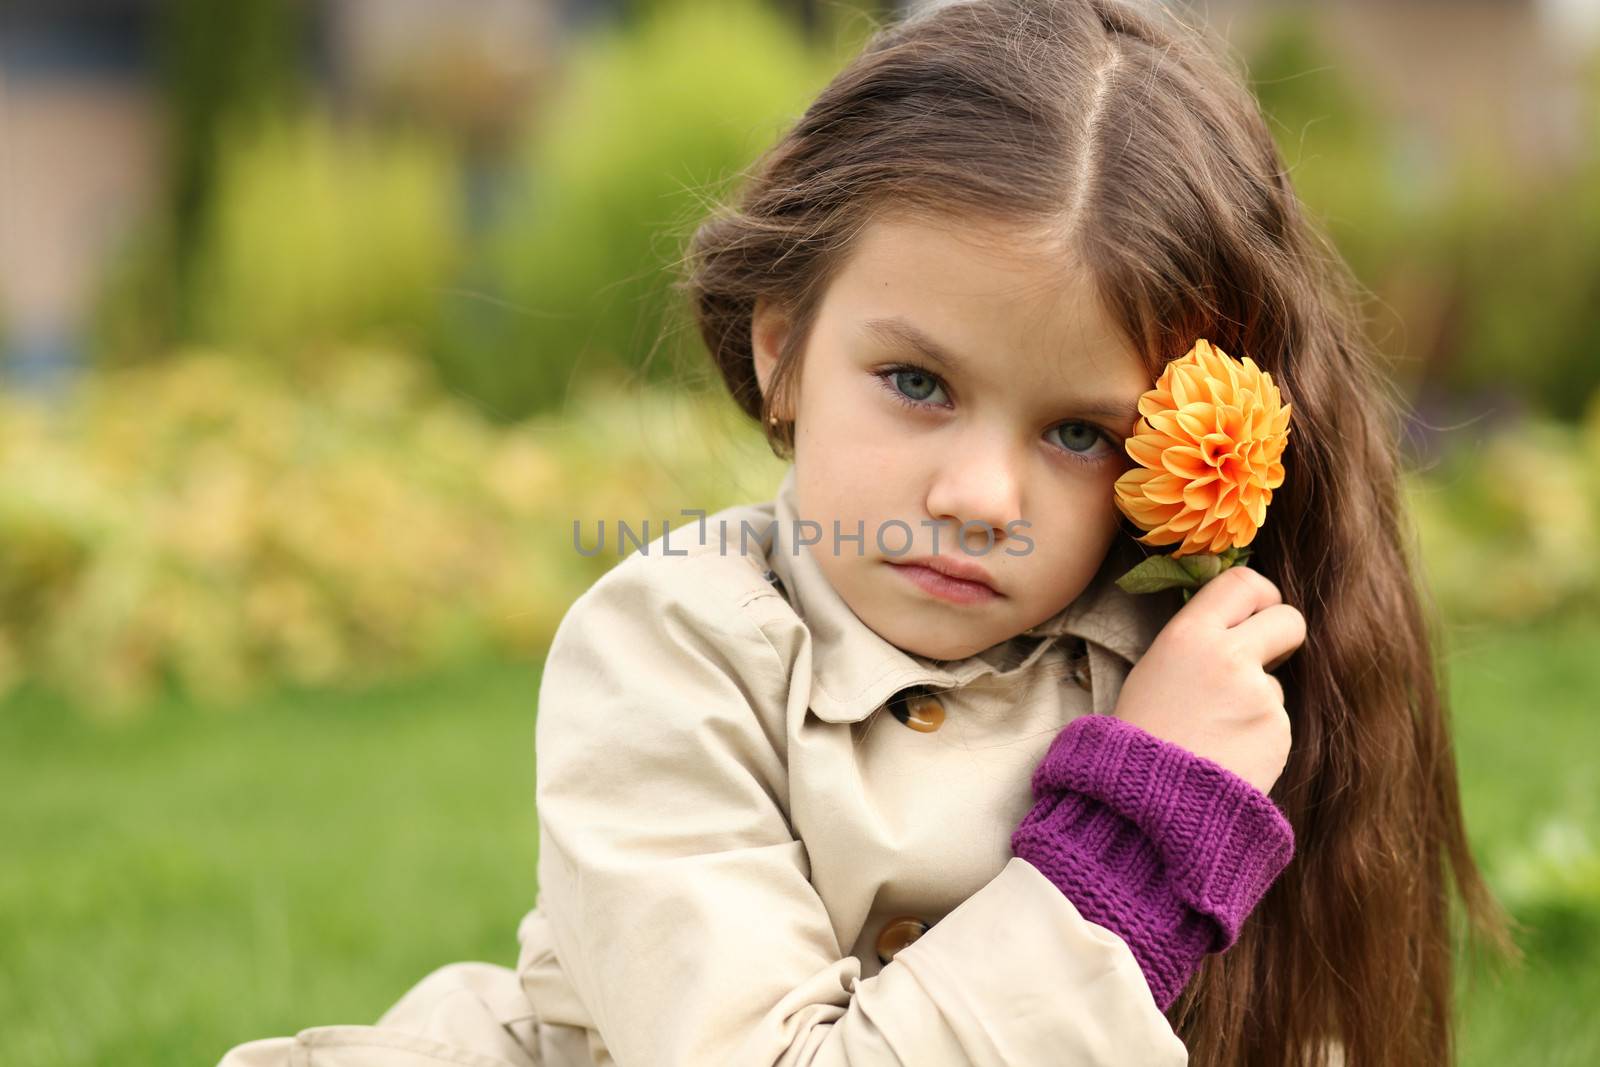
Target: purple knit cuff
x,y
1169,850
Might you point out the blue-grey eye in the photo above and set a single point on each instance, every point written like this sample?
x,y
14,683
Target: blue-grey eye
x,y
921,381
1087,434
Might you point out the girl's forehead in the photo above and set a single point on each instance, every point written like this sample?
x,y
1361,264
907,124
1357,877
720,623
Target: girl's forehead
x,y
974,288
978,263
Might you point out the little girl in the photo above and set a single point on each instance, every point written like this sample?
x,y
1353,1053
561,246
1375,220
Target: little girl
x,y
888,770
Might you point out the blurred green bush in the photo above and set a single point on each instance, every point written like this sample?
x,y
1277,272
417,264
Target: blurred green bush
x,y
1334,142
323,236
1524,255
651,121
316,238
1484,271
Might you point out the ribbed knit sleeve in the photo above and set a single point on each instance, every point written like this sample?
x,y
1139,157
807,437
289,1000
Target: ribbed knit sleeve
x,y
1167,849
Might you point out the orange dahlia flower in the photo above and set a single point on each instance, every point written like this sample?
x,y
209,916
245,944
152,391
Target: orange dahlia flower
x,y
1208,445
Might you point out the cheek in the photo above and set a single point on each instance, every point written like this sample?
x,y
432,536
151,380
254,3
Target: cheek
x,y
1076,530
846,489
857,438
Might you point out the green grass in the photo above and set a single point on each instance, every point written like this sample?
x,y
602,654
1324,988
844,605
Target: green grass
x,y
197,879
1527,728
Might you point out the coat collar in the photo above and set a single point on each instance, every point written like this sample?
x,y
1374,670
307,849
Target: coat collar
x,y
854,670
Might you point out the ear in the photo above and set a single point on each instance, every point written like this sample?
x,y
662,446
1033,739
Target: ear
x,y
769,328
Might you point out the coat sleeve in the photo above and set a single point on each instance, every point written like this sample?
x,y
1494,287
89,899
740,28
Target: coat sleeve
x,y
680,902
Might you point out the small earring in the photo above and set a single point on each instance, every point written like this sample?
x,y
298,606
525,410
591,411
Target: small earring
x,y
772,420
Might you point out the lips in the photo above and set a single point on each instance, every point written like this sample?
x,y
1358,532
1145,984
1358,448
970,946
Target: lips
x,y
954,568
930,574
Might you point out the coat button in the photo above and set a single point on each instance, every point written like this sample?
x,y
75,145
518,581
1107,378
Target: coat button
x,y
1080,667
897,934
917,709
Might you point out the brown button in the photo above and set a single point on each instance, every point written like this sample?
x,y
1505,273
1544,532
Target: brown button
x,y
1080,674
1080,666
897,934
917,709
925,714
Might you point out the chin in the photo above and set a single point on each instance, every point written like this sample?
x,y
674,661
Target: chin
x,y
933,648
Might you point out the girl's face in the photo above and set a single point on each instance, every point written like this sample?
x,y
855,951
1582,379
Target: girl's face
x,y
1002,441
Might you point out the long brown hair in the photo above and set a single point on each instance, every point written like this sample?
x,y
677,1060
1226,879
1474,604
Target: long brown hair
x,y
1130,138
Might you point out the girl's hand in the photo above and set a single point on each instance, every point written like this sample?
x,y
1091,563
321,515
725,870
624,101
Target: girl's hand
x,y
1203,683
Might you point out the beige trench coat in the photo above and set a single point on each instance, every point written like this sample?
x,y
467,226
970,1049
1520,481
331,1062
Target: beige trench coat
x,y
746,858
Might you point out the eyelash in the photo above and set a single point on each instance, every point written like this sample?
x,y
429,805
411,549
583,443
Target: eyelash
x,y
886,376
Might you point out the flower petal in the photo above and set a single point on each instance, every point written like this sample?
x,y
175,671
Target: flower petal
x,y
1187,461
1195,421
1257,506
1227,501
1165,488
1202,495
1145,449
1166,422
1154,400
1181,387
1186,519
1222,540
1133,480
1161,536
1213,446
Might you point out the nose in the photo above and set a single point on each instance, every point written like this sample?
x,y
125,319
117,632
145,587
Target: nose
x,y
979,483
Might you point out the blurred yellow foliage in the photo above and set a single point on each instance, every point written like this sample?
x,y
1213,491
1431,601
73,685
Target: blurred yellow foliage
x,y
206,523
1509,525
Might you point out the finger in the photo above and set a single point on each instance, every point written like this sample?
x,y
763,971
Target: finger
x,y
1272,634
1277,689
1233,596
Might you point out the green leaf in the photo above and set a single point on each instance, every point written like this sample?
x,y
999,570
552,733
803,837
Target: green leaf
x,y
1155,574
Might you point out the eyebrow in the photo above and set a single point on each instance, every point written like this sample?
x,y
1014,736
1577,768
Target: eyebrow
x,y
899,331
